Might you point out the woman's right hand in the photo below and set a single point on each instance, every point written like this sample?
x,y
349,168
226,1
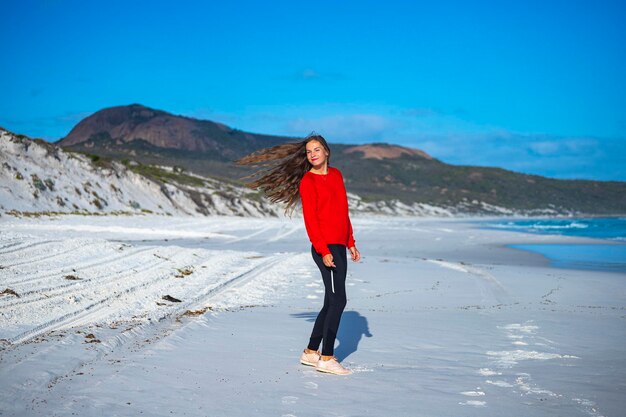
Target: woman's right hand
x,y
328,261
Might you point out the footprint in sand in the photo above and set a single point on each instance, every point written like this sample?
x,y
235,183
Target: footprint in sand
x,y
474,403
289,400
499,383
310,385
310,372
517,332
473,393
488,372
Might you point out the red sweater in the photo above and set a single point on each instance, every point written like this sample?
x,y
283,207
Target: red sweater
x,y
325,210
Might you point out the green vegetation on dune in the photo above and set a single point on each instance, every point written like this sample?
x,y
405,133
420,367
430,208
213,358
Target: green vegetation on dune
x,y
176,174
164,175
407,178
210,165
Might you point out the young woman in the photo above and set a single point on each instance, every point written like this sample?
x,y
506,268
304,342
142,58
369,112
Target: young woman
x,y
303,171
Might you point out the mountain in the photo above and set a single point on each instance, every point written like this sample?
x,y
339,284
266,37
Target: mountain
x,y
37,177
476,189
379,174
124,125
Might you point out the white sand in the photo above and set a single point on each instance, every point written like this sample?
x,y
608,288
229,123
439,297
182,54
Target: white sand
x,y
442,320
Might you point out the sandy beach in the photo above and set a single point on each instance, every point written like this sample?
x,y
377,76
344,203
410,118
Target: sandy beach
x,y
443,319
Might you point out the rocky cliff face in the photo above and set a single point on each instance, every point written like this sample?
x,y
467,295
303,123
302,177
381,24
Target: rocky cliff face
x,y
126,123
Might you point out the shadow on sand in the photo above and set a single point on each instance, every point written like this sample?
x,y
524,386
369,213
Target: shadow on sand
x,y
352,327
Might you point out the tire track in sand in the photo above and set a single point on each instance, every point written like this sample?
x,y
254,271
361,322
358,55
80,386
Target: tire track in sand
x,y
102,281
80,266
97,309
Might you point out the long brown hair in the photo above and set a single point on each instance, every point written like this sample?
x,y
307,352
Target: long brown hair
x,y
281,169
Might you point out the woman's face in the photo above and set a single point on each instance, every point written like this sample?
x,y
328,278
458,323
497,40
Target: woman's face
x,y
316,154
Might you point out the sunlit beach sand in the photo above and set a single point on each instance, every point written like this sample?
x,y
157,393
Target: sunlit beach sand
x,y
443,319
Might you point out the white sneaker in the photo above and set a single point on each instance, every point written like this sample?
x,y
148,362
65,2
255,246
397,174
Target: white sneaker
x,y
309,359
331,366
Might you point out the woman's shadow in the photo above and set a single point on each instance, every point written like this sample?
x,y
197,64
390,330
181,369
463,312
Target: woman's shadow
x,y
352,327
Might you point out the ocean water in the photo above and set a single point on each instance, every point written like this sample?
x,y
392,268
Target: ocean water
x,y
608,254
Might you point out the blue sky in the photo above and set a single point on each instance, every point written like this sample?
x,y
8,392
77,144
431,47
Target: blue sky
x,y
534,86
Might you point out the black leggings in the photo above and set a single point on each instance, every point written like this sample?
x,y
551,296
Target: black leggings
x,y
327,322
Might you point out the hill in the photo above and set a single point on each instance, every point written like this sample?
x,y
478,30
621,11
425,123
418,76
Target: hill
x,y
378,173
38,176
123,125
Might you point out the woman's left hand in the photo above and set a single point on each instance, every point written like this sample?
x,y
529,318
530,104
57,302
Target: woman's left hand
x,y
356,256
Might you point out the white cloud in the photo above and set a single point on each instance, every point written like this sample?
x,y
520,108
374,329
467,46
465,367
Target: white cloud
x,y
310,74
545,148
560,146
351,128
446,136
